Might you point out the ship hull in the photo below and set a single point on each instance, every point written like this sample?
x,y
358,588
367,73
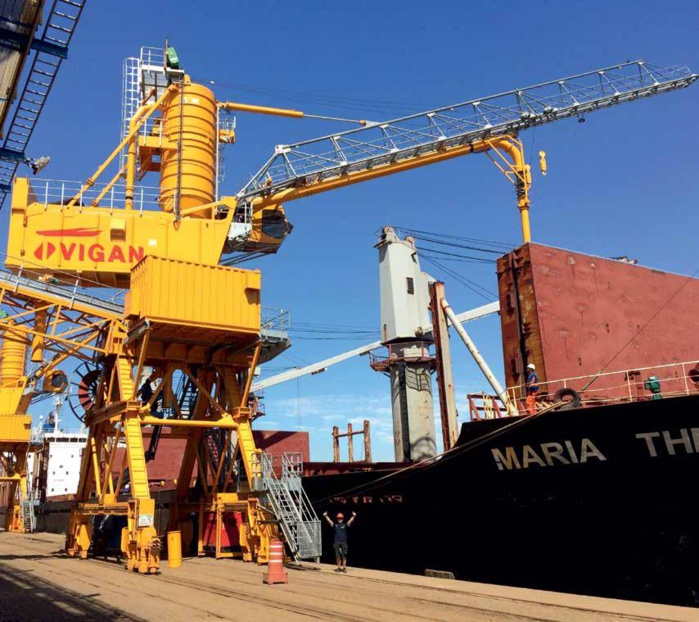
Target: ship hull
x,y
596,501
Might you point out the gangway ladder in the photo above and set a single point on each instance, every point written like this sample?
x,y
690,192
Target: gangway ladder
x,y
288,500
28,514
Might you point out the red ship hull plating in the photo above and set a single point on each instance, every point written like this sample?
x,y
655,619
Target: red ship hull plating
x,y
573,315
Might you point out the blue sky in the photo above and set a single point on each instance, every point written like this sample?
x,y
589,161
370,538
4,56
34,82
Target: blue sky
x,y
623,183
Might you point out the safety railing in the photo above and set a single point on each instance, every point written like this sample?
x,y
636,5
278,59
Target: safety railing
x,y
151,128
142,76
153,57
483,406
131,96
292,469
419,352
289,502
307,529
627,385
28,277
61,192
27,506
275,320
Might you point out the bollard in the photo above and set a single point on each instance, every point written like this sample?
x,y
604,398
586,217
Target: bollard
x,y
174,549
275,567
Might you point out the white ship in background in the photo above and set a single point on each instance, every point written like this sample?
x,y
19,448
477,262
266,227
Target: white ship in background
x,y
53,463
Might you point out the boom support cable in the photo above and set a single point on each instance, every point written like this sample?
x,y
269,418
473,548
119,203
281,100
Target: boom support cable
x,y
445,129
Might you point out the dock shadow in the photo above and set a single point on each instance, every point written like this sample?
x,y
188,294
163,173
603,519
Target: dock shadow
x,y
24,596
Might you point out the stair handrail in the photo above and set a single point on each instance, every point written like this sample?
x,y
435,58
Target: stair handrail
x,y
292,469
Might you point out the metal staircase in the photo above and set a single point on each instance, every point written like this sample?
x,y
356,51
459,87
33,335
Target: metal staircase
x,y
187,392
286,497
51,48
214,440
28,514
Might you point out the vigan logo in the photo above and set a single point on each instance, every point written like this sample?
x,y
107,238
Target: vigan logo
x,y
80,251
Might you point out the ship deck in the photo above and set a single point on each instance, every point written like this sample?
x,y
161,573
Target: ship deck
x,y
37,582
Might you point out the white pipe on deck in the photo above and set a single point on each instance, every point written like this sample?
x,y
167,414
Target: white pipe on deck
x,y
480,361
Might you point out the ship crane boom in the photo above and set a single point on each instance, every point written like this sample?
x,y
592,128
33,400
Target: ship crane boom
x,y
478,125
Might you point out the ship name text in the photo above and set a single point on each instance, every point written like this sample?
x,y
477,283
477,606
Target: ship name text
x,y
547,455
367,499
671,442
655,444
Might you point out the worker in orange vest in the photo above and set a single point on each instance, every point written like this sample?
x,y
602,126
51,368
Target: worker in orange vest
x,y
532,388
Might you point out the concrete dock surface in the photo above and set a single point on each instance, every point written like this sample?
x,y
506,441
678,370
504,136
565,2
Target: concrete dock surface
x,y
37,582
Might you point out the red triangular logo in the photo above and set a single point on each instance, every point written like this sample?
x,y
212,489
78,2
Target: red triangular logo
x,y
44,250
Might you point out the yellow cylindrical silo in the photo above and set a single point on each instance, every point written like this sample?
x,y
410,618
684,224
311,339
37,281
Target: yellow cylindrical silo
x,y
189,124
13,359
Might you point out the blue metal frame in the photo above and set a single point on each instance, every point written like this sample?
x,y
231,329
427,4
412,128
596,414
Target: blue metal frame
x,y
50,49
18,41
10,155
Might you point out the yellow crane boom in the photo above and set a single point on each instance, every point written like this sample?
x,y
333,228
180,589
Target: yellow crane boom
x,y
479,125
97,233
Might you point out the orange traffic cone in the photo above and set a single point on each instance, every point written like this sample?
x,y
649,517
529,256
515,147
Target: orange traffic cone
x,y
275,567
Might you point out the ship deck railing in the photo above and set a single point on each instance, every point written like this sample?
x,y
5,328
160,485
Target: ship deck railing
x,y
613,387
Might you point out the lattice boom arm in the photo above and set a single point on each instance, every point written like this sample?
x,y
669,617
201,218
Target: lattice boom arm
x,y
379,146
